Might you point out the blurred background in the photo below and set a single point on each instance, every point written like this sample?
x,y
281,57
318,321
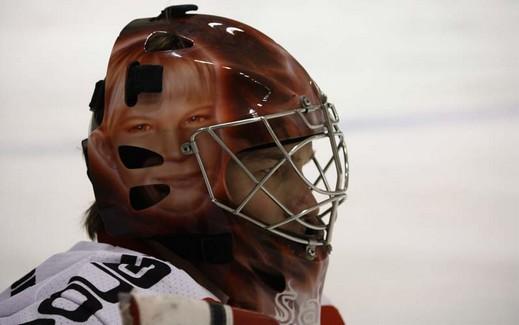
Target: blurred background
x,y
428,93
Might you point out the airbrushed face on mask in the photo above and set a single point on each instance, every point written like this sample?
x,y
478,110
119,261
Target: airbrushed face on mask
x,y
206,126
147,140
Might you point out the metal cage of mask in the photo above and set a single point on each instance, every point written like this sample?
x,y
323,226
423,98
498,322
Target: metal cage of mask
x,y
335,193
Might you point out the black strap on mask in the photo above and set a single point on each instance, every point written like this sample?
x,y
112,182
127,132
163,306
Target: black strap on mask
x,y
142,78
97,103
211,249
84,146
177,11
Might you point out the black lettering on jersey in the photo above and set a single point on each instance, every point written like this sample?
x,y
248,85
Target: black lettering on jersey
x,y
111,295
144,274
24,282
128,273
81,314
41,321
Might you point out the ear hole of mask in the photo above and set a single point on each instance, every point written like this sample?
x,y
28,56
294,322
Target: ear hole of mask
x,y
136,157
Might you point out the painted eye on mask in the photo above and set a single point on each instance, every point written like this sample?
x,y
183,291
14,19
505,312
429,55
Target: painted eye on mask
x,y
195,121
136,157
139,128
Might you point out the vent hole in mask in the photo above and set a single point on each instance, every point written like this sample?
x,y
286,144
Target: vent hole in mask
x,y
142,197
164,41
136,157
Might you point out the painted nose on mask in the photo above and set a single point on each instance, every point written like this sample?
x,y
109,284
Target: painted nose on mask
x,y
170,145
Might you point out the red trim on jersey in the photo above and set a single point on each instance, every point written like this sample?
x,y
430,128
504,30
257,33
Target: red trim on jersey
x,y
247,317
331,316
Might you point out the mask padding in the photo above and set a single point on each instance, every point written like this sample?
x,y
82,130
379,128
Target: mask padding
x,y
136,157
145,78
142,197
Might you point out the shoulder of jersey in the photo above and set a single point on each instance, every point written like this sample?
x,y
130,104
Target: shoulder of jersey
x,y
84,283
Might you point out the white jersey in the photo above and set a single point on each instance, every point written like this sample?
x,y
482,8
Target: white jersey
x,y
83,284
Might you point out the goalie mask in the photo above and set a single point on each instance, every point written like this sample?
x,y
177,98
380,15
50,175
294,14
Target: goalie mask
x,y
211,142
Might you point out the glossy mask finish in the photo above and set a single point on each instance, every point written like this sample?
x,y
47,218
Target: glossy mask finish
x,y
221,71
